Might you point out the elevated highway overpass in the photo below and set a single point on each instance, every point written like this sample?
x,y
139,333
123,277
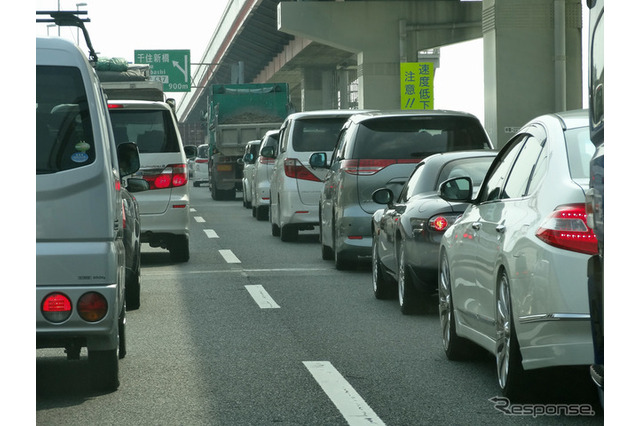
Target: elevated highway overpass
x,y
346,53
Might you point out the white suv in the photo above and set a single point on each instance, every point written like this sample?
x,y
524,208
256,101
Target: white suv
x,y
295,188
164,209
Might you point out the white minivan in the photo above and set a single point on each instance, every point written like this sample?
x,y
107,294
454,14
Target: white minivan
x,y
80,254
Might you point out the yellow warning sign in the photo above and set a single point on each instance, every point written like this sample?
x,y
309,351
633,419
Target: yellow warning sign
x,y
416,85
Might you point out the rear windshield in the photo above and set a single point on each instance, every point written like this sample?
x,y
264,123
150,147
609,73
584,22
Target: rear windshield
x,y
417,137
151,130
64,139
203,151
580,149
317,134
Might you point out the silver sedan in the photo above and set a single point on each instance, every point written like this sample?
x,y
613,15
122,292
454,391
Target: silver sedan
x,y
512,269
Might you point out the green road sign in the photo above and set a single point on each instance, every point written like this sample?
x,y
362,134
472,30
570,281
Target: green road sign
x,y
416,85
171,67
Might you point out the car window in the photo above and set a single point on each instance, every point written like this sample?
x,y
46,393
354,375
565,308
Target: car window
x,y
475,168
64,139
415,184
203,151
341,146
417,137
518,181
317,134
152,130
580,150
496,177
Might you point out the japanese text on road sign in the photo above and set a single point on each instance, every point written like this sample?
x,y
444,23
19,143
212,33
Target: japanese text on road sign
x,y
171,67
416,85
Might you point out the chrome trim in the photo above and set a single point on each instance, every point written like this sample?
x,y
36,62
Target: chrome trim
x,y
554,317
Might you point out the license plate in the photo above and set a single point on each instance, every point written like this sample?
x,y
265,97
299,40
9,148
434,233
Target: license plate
x,y
224,167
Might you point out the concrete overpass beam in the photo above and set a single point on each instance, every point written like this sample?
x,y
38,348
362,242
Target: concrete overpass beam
x,y
381,47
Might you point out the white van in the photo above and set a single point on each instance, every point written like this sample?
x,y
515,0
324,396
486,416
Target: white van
x,y
80,255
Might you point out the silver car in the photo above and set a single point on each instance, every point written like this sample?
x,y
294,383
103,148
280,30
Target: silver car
x,y
261,177
512,274
248,166
381,149
201,166
407,232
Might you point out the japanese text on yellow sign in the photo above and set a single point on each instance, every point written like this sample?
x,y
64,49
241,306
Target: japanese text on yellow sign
x,y
416,85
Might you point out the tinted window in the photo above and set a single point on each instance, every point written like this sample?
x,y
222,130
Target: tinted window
x,y
417,137
492,185
580,150
475,168
318,134
64,139
520,176
151,130
203,151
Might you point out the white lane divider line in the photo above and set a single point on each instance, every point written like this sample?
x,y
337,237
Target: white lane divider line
x,y
229,256
211,233
261,297
191,209
352,407
199,219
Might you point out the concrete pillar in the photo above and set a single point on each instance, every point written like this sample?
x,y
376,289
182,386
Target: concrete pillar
x,y
318,89
525,67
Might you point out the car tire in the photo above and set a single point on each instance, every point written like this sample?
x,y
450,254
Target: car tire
x,y
508,356
132,290
179,248
408,296
104,364
262,213
382,285
275,230
455,347
288,233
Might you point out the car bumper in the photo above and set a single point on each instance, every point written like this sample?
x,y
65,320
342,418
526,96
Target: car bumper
x,y
353,234
550,340
175,220
294,212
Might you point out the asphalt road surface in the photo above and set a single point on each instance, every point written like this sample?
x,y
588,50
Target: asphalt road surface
x,y
255,331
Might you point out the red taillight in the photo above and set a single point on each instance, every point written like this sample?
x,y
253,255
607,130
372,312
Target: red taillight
x,y
371,167
202,160
56,307
115,106
266,160
172,176
566,228
439,223
92,306
294,169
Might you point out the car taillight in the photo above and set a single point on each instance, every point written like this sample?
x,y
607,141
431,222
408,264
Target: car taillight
x,y
92,306
294,169
202,160
368,167
566,228
266,160
438,223
56,307
174,175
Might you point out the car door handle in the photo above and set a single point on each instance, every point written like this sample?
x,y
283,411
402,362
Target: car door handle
x,y
475,225
501,228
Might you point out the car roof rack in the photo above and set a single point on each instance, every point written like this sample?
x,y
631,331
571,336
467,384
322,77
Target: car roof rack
x,y
64,18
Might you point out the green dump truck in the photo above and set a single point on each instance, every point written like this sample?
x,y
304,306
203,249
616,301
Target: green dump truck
x,y
239,113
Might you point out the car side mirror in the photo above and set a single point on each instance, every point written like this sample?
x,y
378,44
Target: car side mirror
x,y
457,189
383,196
268,152
248,158
128,158
318,160
137,185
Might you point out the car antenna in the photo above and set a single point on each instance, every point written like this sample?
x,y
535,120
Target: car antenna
x,y
70,19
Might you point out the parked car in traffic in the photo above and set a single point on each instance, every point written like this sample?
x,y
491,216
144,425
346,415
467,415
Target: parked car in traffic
x,y
164,209
512,269
200,166
380,149
80,252
407,232
261,177
248,161
295,187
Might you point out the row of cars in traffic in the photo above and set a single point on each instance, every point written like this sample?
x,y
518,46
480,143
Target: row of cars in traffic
x,y
110,175
498,237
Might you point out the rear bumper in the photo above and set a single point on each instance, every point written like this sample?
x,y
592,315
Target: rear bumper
x,y
101,335
353,233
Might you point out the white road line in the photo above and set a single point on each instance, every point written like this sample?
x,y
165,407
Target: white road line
x,y
352,407
198,219
191,209
261,297
211,233
229,256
